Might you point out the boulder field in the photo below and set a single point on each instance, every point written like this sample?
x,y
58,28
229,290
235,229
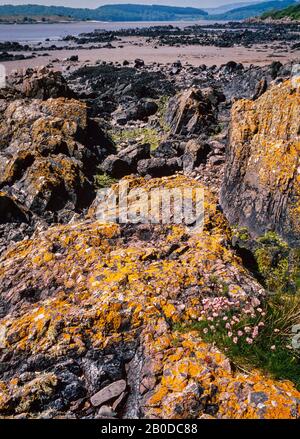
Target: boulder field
x,y
90,304
122,320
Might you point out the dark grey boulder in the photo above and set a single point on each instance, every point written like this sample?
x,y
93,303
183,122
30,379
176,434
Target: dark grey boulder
x,y
134,153
115,166
159,167
195,153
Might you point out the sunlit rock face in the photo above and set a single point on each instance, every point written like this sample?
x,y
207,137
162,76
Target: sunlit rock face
x,y
261,188
49,150
88,305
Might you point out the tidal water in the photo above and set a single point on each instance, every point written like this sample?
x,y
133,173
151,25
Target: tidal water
x,y
56,31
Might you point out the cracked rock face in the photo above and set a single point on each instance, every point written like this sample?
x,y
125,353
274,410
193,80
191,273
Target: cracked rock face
x,y
193,111
101,320
41,84
48,153
91,307
261,188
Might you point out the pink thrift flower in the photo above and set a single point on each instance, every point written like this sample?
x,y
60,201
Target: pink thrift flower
x,y
255,301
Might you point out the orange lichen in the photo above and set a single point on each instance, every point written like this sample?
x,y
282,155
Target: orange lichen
x,y
107,290
264,154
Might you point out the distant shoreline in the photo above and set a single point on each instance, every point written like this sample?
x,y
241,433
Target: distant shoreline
x,y
210,20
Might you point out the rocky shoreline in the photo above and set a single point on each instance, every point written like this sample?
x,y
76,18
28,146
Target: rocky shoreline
x,y
148,320
228,34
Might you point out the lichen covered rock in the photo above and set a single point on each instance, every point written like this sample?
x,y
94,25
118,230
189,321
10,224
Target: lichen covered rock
x,y
48,153
41,83
89,304
261,188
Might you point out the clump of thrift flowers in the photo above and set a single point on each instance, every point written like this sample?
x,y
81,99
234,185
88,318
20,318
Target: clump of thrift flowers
x,y
241,321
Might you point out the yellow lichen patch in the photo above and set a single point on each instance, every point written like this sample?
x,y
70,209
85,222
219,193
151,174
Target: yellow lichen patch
x,y
23,397
194,379
91,287
213,218
264,162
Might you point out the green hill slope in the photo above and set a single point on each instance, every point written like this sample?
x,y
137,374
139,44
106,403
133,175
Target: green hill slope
x,y
254,10
292,12
108,12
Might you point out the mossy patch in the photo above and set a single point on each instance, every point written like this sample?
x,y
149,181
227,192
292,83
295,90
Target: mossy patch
x,y
104,181
144,135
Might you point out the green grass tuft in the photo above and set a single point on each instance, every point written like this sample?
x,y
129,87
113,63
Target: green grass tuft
x,y
103,181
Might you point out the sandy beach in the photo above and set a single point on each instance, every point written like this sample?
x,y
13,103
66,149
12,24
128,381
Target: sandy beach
x,y
131,48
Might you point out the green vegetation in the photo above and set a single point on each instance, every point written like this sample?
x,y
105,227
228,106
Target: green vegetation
x,y
262,338
29,19
292,12
109,12
103,181
161,112
253,10
150,135
241,233
132,12
146,135
279,265
271,351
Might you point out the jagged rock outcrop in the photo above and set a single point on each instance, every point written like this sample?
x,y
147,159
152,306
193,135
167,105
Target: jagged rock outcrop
x,y
195,153
92,307
41,83
193,111
159,167
49,151
261,188
126,161
127,91
11,210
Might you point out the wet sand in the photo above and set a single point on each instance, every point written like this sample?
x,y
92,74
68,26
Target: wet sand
x,y
138,48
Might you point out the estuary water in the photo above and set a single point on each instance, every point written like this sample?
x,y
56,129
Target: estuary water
x,y
56,31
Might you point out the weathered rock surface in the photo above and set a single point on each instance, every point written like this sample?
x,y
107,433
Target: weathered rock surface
x,y
100,320
193,111
115,166
11,210
261,188
42,83
195,153
126,161
158,167
88,304
127,90
133,154
109,392
49,151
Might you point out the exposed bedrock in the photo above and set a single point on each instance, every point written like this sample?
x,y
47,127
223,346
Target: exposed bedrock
x,y
261,188
49,152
